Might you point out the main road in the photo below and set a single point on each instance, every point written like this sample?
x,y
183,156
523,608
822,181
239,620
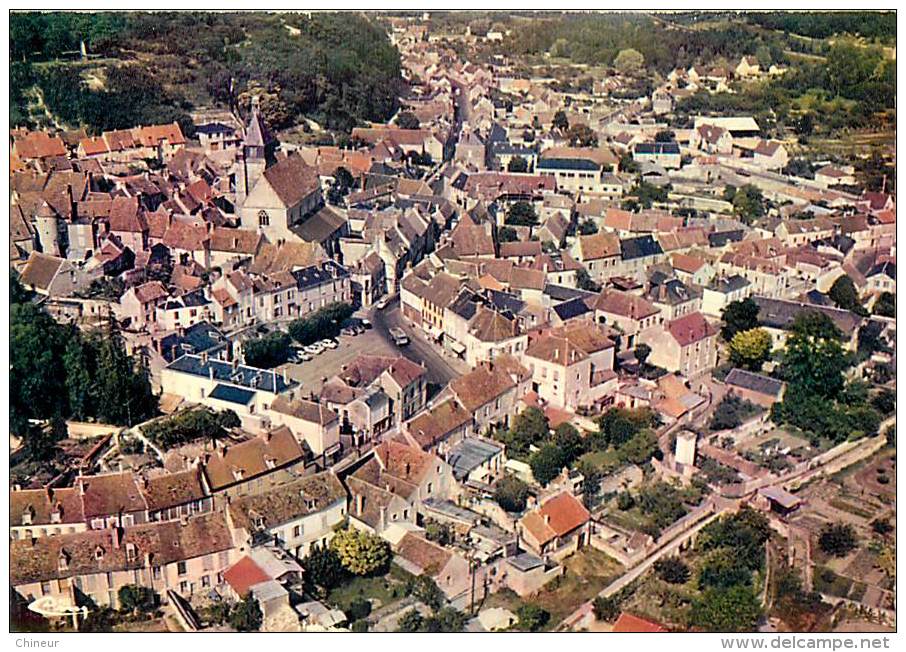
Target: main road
x,y
440,369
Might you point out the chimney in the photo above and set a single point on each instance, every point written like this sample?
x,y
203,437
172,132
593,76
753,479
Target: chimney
x,y
117,537
210,372
359,504
547,519
285,379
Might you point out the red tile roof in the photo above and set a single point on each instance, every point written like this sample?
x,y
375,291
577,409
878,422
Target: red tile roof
x,y
627,623
243,575
690,328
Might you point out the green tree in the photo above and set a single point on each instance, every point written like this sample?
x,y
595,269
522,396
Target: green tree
x,y
750,349
748,203
521,213
268,351
560,121
511,493
529,427
438,532
407,120
532,618
607,609
425,589
584,281
77,367
642,351
569,441
588,227
580,135
629,61
246,615
838,539
734,609
323,568
739,316
361,553
844,294
446,620
885,305
507,234
813,361
517,164
547,462
134,598
672,570
410,622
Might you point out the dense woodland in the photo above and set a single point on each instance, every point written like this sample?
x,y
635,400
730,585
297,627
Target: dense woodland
x,y
339,70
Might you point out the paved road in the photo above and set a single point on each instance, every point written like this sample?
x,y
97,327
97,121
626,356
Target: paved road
x,y
440,370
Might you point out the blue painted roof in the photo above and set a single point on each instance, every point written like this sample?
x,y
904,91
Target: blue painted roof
x,y
567,164
232,394
639,247
242,376
197,338
657,148
572,308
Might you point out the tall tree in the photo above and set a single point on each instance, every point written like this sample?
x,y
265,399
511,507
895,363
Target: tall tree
x,y
739,316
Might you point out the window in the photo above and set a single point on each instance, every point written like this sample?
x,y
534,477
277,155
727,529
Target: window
x,y
430,487
45,588
263,218
181,568
183,587
297,530
206,581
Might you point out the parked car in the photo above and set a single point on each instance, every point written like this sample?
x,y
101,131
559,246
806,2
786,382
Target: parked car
x,y
349,331
382,303
366,324
304,357
313,349
329,343
399,336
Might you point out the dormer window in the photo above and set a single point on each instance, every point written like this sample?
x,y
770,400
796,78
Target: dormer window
x,y
270,462
98,553
28,515
63,560
238,474
259,522
56,516
131,552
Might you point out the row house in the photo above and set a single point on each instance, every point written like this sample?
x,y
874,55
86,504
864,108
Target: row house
x,y
687,345
187,556
296,516
628,314
599,253
392,484
158,142
312,422
571,365
400,379
492,391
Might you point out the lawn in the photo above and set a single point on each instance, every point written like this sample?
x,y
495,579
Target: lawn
x,y
587,572
381,591
827,581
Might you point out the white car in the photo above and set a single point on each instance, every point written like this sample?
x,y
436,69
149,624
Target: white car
x,y
328,343
312,349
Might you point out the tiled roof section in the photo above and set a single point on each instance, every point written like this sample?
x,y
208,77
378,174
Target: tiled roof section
x,y
304,409
691,328
252,458
564,513
238,241
629,624
153,135
471,240
109,494
286,256
292,179
172,489
688,264
39,144
150,292
186,236
780,313
365,369
373,500
429,557
491,326
287,502
40,270
243,575
96,551
42,503
623,304
435,424
754,382
402,461
599,245
520,249
125,216
481,385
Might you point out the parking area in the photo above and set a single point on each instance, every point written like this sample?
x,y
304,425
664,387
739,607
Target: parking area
x,y
312,374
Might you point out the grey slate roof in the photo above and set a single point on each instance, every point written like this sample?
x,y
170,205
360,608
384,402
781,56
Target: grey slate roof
x,y
754,382
232,394
780,313
197,338
640,247
243,376
469,454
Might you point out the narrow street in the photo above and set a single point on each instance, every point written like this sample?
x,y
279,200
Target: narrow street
x,y
440,369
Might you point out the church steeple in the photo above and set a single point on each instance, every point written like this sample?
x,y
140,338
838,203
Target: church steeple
x,y
253,157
